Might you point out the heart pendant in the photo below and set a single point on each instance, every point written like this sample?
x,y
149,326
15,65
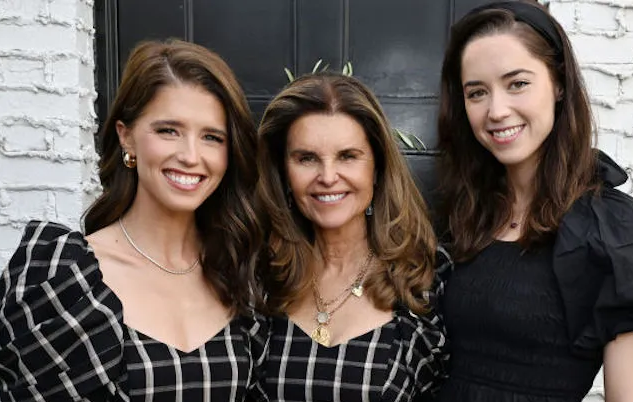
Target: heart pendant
x,y
357,290
321,335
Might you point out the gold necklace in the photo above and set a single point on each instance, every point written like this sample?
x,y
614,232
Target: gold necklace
x,y
153,261
356,287
321,334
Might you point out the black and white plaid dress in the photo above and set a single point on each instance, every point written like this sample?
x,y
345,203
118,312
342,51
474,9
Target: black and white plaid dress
x,y
62,336
403,360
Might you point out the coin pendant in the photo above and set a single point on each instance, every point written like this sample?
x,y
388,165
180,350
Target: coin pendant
x,y
321,335
323,317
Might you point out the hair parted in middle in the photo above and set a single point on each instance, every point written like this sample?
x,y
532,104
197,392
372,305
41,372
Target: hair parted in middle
x,y
226,221
399,231
476,198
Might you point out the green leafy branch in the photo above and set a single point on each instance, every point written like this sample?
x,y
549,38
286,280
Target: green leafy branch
x,y
408,141
347,69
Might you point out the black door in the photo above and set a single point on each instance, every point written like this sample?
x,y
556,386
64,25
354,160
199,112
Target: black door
x,y
395,47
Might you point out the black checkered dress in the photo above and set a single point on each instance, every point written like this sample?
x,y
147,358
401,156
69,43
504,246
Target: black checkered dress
x,y
403,360
62,336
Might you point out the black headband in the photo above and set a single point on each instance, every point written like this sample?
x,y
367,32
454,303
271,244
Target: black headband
x,y
534,16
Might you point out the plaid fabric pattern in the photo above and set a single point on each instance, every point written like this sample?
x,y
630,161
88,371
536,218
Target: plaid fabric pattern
x,y
403,360
219,370
62,336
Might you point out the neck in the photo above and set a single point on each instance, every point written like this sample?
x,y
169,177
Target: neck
x,y
341,251
521,183
164,236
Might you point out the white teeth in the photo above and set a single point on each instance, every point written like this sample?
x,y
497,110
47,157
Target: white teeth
x,y
330,197
183,179
507,133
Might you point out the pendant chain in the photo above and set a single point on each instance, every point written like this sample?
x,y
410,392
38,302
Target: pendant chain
x,y
321,334
153,261
348,290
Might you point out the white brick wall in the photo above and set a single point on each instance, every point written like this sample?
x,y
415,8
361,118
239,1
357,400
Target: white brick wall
x,y
47,119
601,32
47,160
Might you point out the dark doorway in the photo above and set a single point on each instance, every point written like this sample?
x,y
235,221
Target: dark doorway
x,y
395,47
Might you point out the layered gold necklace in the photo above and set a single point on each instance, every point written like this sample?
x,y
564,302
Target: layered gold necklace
x,y
326,308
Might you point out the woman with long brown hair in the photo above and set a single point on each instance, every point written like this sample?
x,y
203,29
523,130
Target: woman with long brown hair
x,y
153,303
541,292
352,253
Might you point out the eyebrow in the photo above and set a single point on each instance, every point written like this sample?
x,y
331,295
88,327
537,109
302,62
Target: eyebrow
x,y
176,123
300,151
505,76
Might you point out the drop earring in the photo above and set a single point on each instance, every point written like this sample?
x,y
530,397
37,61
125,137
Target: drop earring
x,y
370,209
129,160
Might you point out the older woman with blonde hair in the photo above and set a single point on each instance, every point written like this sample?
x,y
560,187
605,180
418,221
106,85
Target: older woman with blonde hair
x,y
352,254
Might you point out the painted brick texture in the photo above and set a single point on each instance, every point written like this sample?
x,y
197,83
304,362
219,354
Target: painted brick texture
x,y
47,158
601,32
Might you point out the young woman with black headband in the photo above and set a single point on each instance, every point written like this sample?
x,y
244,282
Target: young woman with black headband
x,y
542,291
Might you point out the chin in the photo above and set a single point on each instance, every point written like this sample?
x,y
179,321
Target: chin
x,y
183,207
330,224
335,223
509,159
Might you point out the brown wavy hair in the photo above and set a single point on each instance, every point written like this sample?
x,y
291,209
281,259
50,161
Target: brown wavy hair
x,y
226,221
476,198
399,231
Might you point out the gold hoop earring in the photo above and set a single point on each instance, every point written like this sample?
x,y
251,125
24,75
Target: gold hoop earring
x,y
129,160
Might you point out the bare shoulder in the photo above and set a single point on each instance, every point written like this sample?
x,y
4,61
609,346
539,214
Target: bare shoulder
x,y
103,238
113,258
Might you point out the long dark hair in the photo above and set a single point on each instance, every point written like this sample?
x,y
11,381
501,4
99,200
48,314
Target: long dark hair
x,y
226,221
399,231
476,197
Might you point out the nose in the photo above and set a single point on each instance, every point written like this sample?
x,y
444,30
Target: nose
x,y
329,173
498,108
188,152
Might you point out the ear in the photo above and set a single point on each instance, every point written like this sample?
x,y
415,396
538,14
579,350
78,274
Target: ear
x,y
558,91
125,137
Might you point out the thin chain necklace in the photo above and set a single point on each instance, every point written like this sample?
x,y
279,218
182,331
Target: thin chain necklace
x,y
153,261
356,287
321,334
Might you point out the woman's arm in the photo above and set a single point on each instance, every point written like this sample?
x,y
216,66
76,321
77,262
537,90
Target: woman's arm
x,y
618,369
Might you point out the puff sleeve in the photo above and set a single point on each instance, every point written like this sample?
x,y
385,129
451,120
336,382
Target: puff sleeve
x,y
593,261
61,333
612,247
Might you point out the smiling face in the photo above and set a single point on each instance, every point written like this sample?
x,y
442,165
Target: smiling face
x,y
510,98
180,143
330,168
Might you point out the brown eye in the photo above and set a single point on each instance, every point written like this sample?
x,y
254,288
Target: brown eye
x,y
166,130
519,84
347,156
307,159
214,138
475,94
